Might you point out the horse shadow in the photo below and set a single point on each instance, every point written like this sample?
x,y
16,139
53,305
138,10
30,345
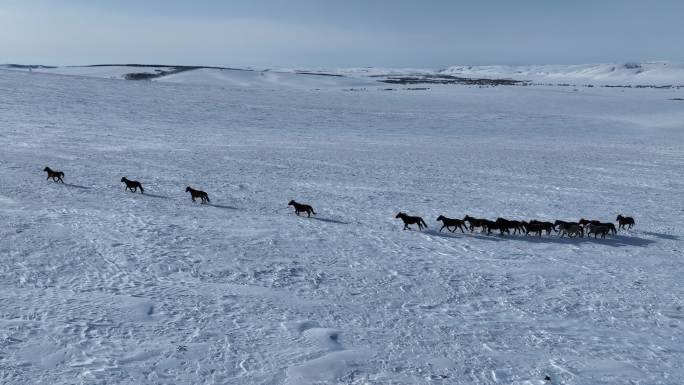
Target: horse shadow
x,y
615,241
328,220
155,196
222,206
76,186
459,235
663,236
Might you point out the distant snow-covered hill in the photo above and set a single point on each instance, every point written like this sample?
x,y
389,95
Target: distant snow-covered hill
x,y
652,73
628,74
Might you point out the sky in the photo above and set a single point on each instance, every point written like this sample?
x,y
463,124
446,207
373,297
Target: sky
x,y
343,33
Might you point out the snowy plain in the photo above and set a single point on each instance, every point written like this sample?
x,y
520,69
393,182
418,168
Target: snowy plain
x,y
102,286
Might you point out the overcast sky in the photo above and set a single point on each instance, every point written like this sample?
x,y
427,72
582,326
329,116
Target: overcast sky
x,y
344,33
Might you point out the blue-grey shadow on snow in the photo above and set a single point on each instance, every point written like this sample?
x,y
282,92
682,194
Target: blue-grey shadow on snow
x,y
613,241
329,220
76,186
459,235
155,196
222,206
663,236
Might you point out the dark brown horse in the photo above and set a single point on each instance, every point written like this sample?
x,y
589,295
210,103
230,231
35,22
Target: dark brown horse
x,y
491,225
598,230
515,225
132,185
586,222
197,194
302,208
451,222
570,229
475,222
409,220
625,221
609,225
537,227
563,224
55,175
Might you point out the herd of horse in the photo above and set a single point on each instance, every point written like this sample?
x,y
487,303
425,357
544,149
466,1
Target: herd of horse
x,y
503,226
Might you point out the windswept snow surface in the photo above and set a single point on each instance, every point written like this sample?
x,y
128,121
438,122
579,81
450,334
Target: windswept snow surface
x,y
265,79
109,72
102,286
650,73
232,78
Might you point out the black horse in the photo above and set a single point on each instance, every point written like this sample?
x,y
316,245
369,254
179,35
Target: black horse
x,y
409,220
475,222
132,185
625,221
55,175
197,194
451,222
302,208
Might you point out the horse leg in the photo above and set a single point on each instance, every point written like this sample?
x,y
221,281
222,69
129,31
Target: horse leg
x,y
440,229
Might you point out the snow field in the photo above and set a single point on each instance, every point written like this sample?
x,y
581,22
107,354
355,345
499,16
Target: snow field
x,y
99,285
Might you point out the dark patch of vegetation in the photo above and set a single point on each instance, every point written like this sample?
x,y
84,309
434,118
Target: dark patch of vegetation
x,y
318,74
676,99
157,73
140,76
448,79
665,87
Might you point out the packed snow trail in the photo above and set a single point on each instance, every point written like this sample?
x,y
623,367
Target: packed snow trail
x,y
99,285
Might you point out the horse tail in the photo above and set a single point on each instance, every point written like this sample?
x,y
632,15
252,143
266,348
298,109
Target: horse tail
x,y
207,196
142,190
313,212
422,221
